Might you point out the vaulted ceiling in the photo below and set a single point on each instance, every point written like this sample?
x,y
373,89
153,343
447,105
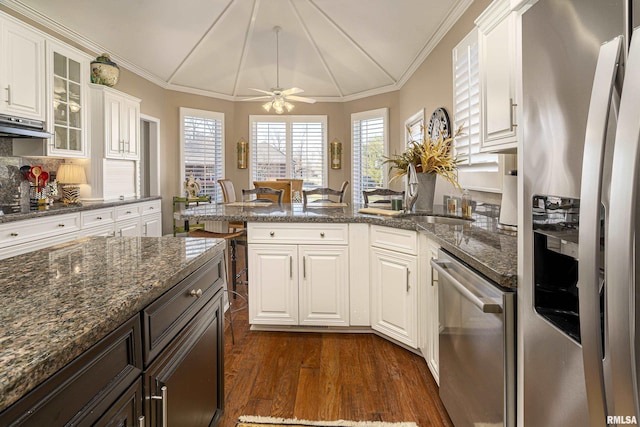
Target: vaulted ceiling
x,y
336,50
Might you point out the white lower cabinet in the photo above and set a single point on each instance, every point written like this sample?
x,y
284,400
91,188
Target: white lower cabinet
x,y
128,228
394,283
132,219
151,225
429,322
393,295
298,284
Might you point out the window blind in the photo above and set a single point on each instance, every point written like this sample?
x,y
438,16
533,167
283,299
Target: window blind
x,y
466,83
289,147
369,139
203,150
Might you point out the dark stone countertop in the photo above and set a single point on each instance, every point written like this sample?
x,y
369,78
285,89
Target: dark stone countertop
x,y
480,243
59,208
59,301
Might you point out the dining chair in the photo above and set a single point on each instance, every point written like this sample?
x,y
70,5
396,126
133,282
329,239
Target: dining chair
x,y
381,195
264,194
285,186
323,192
229,196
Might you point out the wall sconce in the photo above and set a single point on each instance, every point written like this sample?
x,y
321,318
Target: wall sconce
x,y
242,149
336,154
70,176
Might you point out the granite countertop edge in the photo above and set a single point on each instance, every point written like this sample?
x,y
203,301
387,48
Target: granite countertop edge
x,y
59,209
499,265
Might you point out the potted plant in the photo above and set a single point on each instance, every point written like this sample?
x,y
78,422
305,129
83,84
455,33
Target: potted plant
x,y
430,158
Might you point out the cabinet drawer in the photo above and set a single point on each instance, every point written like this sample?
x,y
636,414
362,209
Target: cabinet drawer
x,y
84,389
329,234
148,208
97,217
38,228
127,211
165,317
395,239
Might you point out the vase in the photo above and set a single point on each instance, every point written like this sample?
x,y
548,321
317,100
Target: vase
x,y
104,71
426,192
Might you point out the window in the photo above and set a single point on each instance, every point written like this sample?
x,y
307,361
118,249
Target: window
x,y
476,170
369,136
202,149
289,147
414,128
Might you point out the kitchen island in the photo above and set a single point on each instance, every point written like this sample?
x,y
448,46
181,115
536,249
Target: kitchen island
x,y
61,303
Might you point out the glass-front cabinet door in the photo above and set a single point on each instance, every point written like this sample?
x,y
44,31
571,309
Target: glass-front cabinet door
x,y
68,71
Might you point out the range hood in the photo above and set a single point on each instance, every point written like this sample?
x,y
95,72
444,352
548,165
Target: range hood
x,y
18,127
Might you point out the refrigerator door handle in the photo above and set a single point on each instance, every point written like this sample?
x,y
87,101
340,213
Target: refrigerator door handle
x,y
621,251
589,238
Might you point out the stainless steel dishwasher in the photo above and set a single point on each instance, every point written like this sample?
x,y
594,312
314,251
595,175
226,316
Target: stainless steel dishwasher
x,y
477,346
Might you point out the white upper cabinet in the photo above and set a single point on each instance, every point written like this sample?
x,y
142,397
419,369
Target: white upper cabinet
x,y
499,47
22,71
67,79
117,117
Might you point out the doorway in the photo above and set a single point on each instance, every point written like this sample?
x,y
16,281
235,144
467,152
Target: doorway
x,y
149,156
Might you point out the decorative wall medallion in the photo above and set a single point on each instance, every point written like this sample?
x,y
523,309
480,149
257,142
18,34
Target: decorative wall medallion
x,y
439,124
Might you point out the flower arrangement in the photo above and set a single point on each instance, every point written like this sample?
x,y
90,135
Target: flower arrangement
x,y
428,156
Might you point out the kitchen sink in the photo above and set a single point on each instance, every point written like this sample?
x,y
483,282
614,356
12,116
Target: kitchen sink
x,y
435,219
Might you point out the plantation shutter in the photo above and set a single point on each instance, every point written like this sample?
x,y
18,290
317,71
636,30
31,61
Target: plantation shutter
x,y
203,150
289,147
308,153
369,138
466,83
269,151
415,132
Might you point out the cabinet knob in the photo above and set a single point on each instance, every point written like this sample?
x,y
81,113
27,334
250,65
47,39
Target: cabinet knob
x,y
14,234
60,225
322,234
128,212
271,233
99,218
195,293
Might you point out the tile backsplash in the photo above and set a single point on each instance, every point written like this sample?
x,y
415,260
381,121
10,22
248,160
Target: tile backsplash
x,y
10,176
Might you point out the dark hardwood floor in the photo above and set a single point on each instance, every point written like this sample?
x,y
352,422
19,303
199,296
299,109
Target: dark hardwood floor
x,y
325,376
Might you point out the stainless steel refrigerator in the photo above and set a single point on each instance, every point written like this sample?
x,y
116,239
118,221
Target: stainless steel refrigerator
x,y
580,166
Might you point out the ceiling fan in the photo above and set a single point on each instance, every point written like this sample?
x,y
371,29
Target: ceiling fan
x,y
279,98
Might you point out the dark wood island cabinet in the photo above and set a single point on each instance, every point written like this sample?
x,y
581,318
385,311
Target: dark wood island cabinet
x,y
162,366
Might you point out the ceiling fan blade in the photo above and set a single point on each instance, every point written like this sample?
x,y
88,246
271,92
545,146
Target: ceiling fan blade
x,y
257,98
301,99
261,91
292,91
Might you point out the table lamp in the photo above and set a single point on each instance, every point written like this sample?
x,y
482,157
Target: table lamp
x,y
70,176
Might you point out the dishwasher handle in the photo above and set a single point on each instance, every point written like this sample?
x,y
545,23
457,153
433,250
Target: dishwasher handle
x,y
484,304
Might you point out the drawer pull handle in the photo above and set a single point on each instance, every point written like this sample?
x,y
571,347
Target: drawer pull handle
x,y
195,293
128,212
271,233
322,234
141,421
99,218
163,397
60,225
14,234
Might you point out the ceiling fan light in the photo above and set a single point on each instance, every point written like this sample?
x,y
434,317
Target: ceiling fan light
x,y
278,109
267,106
289,106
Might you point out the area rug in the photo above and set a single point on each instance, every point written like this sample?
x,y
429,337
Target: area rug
x,y
249,421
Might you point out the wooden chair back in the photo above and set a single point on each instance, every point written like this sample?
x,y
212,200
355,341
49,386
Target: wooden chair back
x,y
263,193
296,185
285,186
228,191
383,193
323,192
